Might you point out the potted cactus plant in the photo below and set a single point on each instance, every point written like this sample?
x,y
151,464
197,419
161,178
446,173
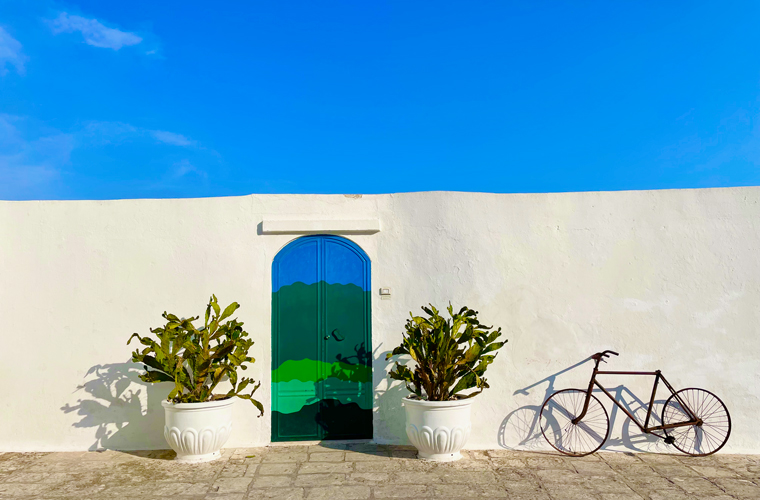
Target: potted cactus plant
x,y
450,356
196,360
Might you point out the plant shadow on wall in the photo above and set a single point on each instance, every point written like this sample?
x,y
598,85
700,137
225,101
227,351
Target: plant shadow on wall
x,y
388,399
124,417
335,416
524,422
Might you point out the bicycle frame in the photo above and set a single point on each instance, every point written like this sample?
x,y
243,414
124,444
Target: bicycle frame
x,y
645,427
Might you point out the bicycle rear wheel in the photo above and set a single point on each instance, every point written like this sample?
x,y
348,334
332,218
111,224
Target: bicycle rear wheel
x,y
697,440
563,435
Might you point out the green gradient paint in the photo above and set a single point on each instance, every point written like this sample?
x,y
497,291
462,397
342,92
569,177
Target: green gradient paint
x,y
321,341
304,370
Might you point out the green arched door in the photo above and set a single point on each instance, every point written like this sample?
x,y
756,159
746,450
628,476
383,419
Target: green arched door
x,y
321,341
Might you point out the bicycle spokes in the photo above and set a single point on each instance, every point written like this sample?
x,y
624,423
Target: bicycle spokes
x,y
557,425
698,440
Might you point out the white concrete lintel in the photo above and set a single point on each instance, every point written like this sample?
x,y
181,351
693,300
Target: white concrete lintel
x,y
315,226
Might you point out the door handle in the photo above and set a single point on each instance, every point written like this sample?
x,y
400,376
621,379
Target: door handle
x,y
337,336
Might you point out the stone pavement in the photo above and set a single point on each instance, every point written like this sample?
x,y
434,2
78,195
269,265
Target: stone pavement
x,y
359,471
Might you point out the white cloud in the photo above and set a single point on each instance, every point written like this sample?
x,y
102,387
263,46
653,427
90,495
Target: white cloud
x,y
29,164
94,33
171,138
118,132
10,54
184,167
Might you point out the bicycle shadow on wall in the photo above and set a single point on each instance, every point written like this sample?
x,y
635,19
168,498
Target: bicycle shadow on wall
x,y
524,422
124,417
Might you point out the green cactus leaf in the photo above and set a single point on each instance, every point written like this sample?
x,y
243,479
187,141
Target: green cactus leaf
x,y
196,360
449,355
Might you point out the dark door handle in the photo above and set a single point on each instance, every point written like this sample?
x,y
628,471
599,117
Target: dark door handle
x,y
337,335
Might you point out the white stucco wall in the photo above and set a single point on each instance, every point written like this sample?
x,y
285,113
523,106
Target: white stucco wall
x,y
670,279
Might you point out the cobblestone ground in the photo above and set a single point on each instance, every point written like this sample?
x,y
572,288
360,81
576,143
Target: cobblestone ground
x,y
359,471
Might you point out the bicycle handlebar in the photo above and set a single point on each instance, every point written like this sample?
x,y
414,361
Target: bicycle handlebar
x,y
604,354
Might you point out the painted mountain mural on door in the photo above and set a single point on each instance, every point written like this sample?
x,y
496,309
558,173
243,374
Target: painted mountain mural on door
x,y
322,362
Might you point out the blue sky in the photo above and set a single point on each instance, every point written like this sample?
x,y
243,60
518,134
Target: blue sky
x,y
103,100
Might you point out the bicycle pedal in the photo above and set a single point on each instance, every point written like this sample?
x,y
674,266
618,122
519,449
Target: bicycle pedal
x,y
670,440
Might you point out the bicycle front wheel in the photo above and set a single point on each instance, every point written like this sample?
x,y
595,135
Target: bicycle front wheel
x,y
563,435
697,440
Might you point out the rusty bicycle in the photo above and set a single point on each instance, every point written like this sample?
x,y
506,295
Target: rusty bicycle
x,y
575,422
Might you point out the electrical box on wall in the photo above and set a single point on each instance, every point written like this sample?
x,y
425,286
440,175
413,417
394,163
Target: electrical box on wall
x,y
385,293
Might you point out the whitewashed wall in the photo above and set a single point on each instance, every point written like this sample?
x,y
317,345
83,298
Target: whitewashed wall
x,y
670,279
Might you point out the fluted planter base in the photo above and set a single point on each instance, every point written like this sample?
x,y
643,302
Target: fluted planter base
x,y
197,431
438,429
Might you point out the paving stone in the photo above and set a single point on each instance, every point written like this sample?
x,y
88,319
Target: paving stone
x,y
276,469
634,469
288,448
659,459
388,466
459,464
520,487
285,457
503,454
248,453
326,467
619,458
454,490
741,488
317,471
327,457
184,489
415,477
475,455
369,477
327,446
23,489
401,491
473,477
708,471
39,477
536,495
339,492
644,485
599,468
360,456
747,471
368,447
697,486
594,457
675,471
231,484
549,463
559,476
519,474
669,495
320,479
278,493
223,496
271,481
493,491
234,470
607,484
620,496
569,491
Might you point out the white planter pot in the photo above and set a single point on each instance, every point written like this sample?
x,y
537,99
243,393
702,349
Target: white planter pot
x,y
197,431
438,429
